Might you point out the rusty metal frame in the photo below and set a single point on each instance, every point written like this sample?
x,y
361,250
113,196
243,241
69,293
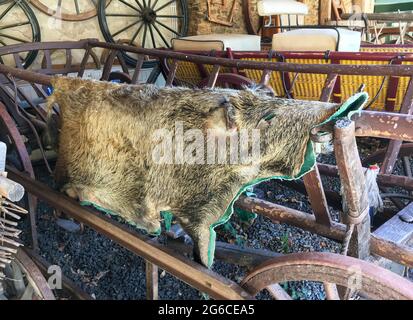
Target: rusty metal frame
x,y
367,123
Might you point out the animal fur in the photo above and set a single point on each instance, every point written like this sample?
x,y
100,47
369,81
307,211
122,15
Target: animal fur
x,y
105,148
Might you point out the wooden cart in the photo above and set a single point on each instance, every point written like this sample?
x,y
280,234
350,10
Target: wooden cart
x,y
366,250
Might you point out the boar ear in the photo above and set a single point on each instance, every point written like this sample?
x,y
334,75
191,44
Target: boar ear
x,y
222,117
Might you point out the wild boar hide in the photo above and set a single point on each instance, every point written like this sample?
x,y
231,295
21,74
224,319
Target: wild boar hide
x,y
109,133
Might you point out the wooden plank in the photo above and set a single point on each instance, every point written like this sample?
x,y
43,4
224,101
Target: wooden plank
x,y
395,229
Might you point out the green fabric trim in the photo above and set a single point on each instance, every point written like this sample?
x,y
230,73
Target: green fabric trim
x,y
112,213
347,109
167,218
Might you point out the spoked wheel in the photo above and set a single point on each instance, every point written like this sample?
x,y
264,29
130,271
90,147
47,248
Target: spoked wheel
x,y
72,10
367,279
18,24
24,280
253,21
143,23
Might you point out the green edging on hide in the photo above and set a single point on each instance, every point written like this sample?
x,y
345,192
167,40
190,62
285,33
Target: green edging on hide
x,y
354,104
112,213
167,218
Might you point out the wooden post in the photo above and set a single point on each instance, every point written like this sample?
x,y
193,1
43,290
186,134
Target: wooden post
x,y
324,12
353,187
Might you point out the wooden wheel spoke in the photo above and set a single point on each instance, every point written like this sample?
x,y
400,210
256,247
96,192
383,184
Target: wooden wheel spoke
x,y
75,10
136,34
27,20
152,36
77,6
161,35
144,35
154,5
167,27
125,28
18,24
278,292
130,6
331,291
5,12
153,26
139,5
165,5
122,15
13,38
169,16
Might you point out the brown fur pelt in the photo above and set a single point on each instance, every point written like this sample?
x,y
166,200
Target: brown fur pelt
x,y
106,144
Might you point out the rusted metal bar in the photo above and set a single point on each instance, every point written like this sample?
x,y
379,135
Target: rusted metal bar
x,y
382,70
185,269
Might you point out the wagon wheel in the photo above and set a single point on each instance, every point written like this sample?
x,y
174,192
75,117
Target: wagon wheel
x,y
331,269
18,156
11,31
253,21
24,280
72,10
150,23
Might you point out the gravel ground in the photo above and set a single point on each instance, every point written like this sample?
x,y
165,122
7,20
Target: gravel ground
x,y
107,271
